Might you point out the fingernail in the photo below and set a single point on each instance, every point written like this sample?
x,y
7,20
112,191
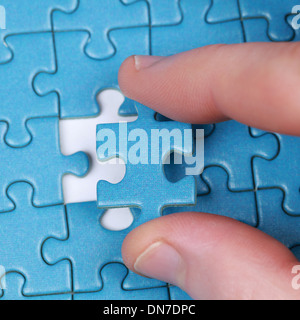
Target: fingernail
x,y
161,261
143,62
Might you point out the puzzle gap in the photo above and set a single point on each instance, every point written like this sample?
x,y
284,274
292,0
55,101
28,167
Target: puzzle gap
x,y
117,219
80,135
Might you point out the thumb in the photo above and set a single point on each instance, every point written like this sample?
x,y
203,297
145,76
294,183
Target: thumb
x,y
211,257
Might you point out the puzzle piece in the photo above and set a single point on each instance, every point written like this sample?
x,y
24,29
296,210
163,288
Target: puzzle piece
x,y
23,232
113,275
283,172
163,13
41,164
275,12
77,94
232,147
221,200
127,109
27,16
168,40
89,247
148,169
274,221
18,101
221,11
177,294
99,18
15,285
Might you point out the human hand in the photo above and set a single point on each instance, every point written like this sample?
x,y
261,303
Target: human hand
x,y
210,256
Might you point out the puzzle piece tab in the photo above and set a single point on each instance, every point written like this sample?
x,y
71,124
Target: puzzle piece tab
x,y
79,79
41,164
23,232
15,285
18,102
99,18
113,276
27,16
89,247
283,172
274,221
194,31
145,185
220,200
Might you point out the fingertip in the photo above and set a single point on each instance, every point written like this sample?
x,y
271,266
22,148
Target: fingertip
x,y
126,75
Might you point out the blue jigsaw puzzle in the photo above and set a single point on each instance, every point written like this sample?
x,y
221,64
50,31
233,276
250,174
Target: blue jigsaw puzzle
x,y
43,165
162,15
98,44
113,276
27,16
86,231
33,53
56,56
32,226
283,172
216,197
266,20
274,220
14,290
243,147
78,94
168,40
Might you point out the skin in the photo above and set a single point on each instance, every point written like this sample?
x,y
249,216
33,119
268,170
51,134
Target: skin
x,y
210,256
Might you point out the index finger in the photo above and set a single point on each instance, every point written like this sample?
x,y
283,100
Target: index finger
x,y
254,83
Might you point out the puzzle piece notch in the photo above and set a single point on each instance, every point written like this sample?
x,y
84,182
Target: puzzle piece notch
x,y
24,230
15,285
32,54
41,164
170,194
113,275
86,231
78,94
221,200
17,21
169,40
115,15
274,221
276,173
